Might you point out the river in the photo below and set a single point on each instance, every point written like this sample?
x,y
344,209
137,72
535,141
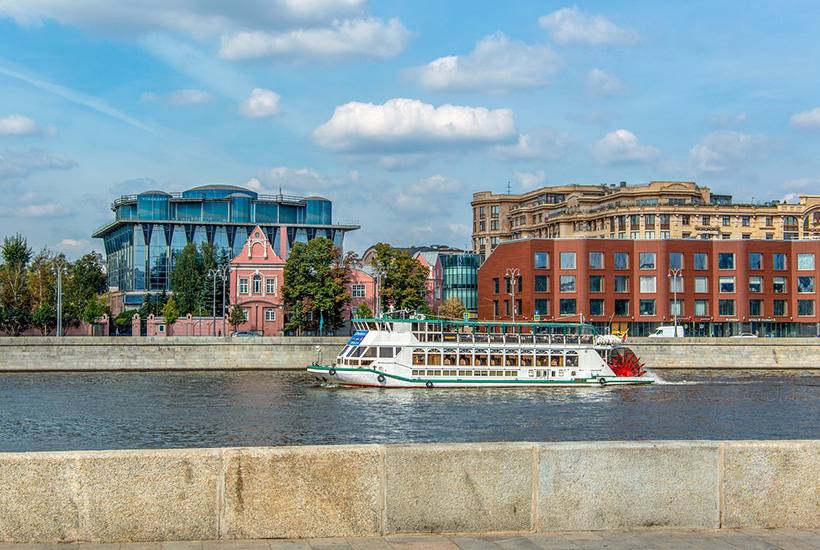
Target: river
x,y
120,410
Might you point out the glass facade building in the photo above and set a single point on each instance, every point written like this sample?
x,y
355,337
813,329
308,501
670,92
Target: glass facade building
x,y
459,278
151,228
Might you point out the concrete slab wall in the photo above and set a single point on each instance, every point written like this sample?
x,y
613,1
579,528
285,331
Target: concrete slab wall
x,y
209,353
364,490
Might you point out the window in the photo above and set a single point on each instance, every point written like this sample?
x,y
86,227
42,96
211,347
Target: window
x,y
257,284
701,284
676,260
700,261
647,307
755,284
779,308
567,283
701,308
496,285
805,308
495,308
649,220
542,307
726,308
621,260
676,307
648,284
270,285
494,210
755,308
596,307
622,308
649,235
676,283
270,314
567,260
805,285
726,284
596,283
725,221
647,260
542,260
243,285
634,235
596,260
567,306
665,234
744,221
493,225
634,221
779,285
246,313
684,219
357,291
621,283
755,260
805,262
768,221
779,261
542,283
726,260
705,220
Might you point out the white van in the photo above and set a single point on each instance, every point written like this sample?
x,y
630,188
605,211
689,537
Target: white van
x,y
667,332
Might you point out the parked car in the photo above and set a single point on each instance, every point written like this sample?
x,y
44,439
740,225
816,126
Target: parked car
x,y
745,335
241,333
667,332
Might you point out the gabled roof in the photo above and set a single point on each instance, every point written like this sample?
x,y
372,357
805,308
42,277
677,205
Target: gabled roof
x,y
258,250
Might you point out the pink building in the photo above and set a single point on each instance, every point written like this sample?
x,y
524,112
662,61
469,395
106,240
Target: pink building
x,y
362,289
257,276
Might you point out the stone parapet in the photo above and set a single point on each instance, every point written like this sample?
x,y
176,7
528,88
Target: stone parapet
x,y
728,353
369,490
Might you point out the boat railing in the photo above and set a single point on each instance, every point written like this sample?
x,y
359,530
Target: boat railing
x,y
516,339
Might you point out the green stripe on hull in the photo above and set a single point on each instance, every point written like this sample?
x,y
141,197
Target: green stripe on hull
x,y
610,380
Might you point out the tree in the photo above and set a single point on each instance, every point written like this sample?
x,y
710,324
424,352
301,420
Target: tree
x,y
403,278
187,280
364,311
171,313
93,310
236,317
44,318
315,289
452,308
84,281
15,298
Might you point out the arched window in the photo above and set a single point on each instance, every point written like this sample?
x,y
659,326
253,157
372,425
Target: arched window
x,y
257,284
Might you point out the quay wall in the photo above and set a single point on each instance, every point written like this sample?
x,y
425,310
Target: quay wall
x,y
370,490
215,353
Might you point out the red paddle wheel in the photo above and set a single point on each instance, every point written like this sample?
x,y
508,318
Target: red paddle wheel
x,y
625,363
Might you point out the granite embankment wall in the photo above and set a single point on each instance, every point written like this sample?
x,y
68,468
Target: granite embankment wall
x,y
336,491
208,353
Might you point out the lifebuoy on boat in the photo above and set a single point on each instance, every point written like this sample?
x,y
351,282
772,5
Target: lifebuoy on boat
x,y
332,372
429,384
602,381
380,378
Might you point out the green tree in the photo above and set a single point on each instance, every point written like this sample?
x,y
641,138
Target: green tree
x,y
187,280
93,309
171,313
403,278
124,318
364,311
84,281
15,297
44,318
315,289
452,308
236,317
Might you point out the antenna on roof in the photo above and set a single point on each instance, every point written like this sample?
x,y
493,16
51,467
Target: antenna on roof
x,y
508,187
280,193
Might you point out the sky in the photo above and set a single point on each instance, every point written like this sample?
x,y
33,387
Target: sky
x,y
397,111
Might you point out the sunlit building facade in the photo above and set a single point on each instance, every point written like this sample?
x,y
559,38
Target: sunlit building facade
x,y
149,229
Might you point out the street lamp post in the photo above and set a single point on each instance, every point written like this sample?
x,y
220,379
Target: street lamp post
x,y
512,274
59,269
220,271
674,275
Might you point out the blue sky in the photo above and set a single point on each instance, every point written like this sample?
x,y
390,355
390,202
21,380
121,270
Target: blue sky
x,y
398,111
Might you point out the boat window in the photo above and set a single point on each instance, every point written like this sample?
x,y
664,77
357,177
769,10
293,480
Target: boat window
x,y
553,373
542,338
482,338
497,338
386,351
357,352
370,352
511,360
557,359
513,339
449,357
465,337
542,359
526,358
481,358
496,359
365,362
465,358
418,356
572,359
434,357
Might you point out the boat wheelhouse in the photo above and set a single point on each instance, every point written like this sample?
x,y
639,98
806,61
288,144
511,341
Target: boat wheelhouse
x,y
417,353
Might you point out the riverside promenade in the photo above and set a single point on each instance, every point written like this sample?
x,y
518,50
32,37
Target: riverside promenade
x,y
735,539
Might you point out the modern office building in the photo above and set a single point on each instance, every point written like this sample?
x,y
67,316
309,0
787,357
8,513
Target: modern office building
x,y
150,228
459,278
657,210
712,287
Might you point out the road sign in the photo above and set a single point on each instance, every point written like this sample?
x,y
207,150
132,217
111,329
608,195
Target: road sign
x,y
466,316
536,318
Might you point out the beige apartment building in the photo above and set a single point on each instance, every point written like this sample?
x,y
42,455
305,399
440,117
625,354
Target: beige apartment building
x,y
657,210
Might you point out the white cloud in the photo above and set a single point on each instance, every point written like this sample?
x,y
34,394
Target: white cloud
x,y
430,194
368,37
19,164
802,183
621,147
572,26
43,210
18,125
806,119
189,97
261,103
728,120
195,18
495,64
408,125
538,145
717,151
602,83
296,181
529,180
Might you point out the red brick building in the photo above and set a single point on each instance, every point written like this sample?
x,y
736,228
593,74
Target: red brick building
x,y
723,287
